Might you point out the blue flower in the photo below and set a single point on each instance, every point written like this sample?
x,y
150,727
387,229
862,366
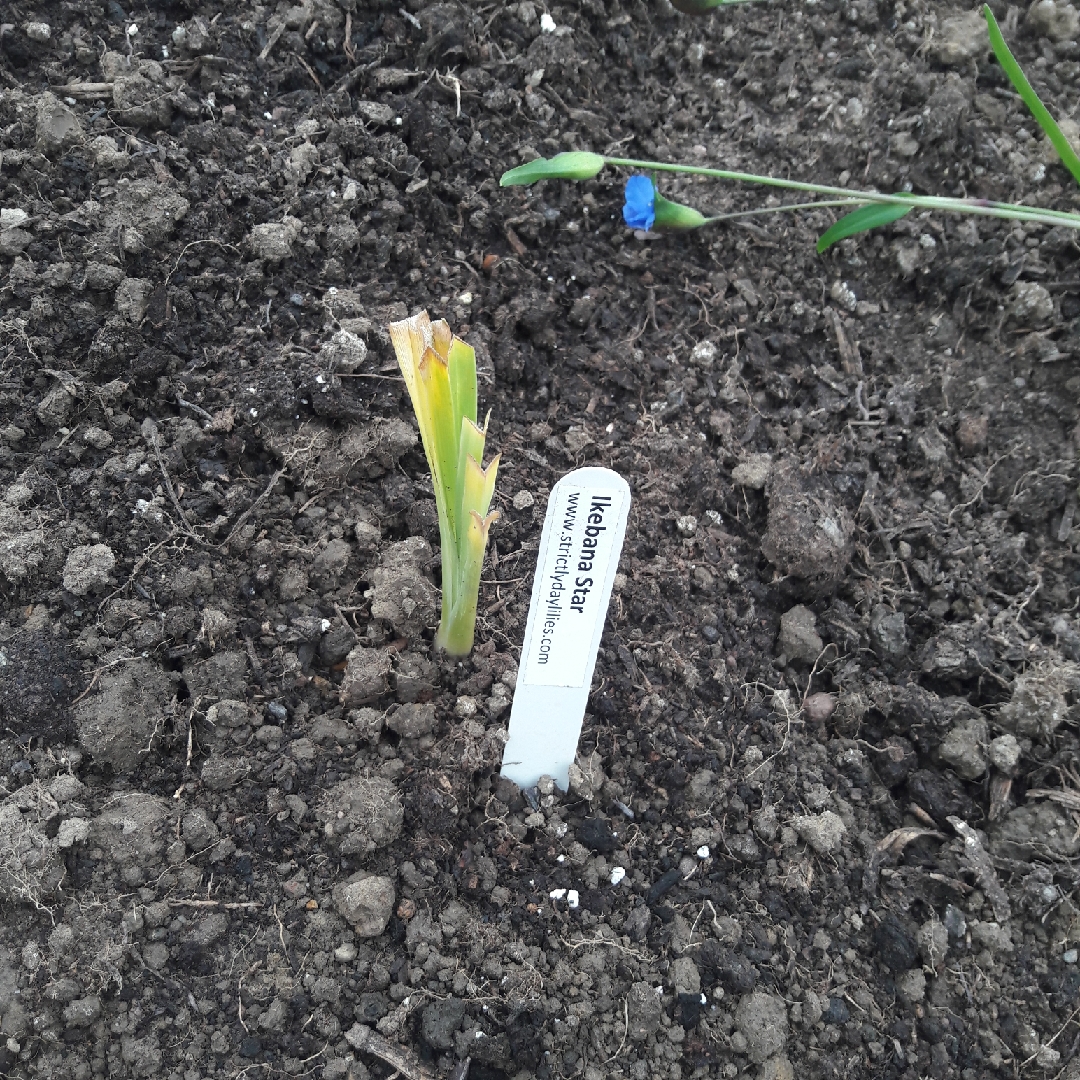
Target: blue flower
x,y
639,210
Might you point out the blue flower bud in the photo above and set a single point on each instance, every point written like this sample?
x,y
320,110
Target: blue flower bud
x,y
645,208
639,210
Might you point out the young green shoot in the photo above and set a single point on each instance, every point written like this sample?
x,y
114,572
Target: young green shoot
x,y
440,374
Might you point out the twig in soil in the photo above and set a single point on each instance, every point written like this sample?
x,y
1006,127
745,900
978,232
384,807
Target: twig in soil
x,y
97,673
1067,515
347,44
850,360
241,521
234,905
281,936
196,243
1027,599
983,868
198,410
888,846
782,701
864,412
1071,799
455,82
308,69
150,434
345,84
240,1005
813,672
87,90
361,1037
626,1031
603,941
256,663
275,34
1001,797
984,483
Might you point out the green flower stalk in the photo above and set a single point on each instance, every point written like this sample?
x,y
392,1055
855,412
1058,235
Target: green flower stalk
x,y
440,373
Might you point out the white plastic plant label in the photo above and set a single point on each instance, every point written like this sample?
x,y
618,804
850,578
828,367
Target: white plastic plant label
x,y
575,569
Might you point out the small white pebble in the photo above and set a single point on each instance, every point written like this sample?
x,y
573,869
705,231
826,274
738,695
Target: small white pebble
x,y
345,953
687,525
572,899
703,851
617,874
547,23
561,858
133,29
557,894
465,298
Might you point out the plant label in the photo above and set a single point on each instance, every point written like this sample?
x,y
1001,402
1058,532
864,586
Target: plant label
x,y
579,554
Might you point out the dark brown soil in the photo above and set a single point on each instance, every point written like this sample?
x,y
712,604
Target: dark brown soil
x,y
249,822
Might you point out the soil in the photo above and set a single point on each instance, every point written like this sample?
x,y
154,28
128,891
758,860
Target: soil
x,y
825,816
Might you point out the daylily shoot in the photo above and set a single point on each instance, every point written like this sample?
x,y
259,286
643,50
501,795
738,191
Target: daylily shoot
x,y
440,373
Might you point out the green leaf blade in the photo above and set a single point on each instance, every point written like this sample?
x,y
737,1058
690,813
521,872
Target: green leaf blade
x,y
864,219
1027,93
571,165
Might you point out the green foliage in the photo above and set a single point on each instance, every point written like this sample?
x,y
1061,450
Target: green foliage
x,y
573,165
874,208
440,372
861,220
1027,93
674,217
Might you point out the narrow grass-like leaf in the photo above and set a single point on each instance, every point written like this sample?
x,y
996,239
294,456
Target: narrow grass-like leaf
x,y
470,448
861,220
455,634
461,362
572,165
438,423
1037,109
